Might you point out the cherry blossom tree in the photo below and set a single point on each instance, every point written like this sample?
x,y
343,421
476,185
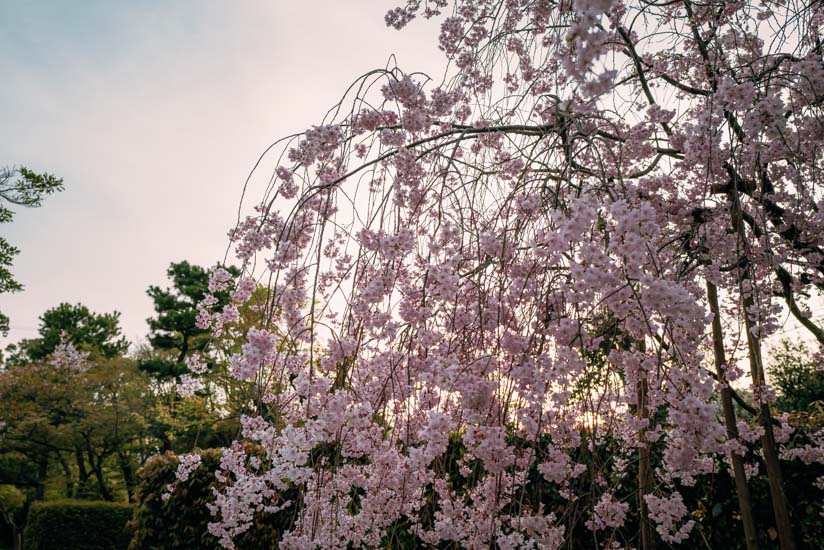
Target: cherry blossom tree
x,y
526,281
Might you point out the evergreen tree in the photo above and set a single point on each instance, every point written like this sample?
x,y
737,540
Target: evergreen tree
x,y
174,328
96,333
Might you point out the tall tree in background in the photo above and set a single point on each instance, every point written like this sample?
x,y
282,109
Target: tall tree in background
x,y
95,333
19,187
174,328
182,419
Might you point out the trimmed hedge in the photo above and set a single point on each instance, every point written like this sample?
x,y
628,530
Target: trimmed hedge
x,y
77,525
181,521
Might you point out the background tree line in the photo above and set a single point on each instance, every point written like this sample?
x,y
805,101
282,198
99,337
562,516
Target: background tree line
x,y
82,411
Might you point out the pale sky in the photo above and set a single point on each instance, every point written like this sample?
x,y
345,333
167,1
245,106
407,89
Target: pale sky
x,y
153,113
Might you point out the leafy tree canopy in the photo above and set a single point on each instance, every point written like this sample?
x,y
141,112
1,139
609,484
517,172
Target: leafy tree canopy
x,y
92,413
793,371
96,333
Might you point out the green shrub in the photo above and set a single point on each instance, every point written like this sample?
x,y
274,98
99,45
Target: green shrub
x,y
181,522
77,525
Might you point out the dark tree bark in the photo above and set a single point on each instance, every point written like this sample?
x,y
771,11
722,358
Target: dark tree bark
x,y
741,487
127,470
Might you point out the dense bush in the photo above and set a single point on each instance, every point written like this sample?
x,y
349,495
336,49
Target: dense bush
x,y
181,521
795,374
77,525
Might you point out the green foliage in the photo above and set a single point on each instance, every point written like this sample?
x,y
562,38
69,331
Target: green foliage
x,y
29,188
15,468
12,512
184,424
174,328
97,333
88,422
793,372
11,499
181,522
21,187
77,525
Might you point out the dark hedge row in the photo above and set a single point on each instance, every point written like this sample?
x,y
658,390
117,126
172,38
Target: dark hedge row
x,y
77,525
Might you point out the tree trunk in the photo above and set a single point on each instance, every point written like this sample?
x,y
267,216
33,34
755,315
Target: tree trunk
x,y
644,469
645,479
101,485
741,487
786,537
81,467
165,442
16,538
43,470
68,473
128,473
97,468
775,476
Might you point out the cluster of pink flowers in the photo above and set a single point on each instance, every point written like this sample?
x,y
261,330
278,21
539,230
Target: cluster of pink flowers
x,y
811,453
369,120
256,353
608,513
244,289
196,363
735,97
68,358
319,142
668,513
188,385
187,464
209,315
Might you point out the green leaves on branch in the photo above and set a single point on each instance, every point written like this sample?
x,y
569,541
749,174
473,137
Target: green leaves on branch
x,y
22,187
29,188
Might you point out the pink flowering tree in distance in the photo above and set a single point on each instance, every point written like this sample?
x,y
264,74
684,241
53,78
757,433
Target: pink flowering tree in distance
x,y
535,275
